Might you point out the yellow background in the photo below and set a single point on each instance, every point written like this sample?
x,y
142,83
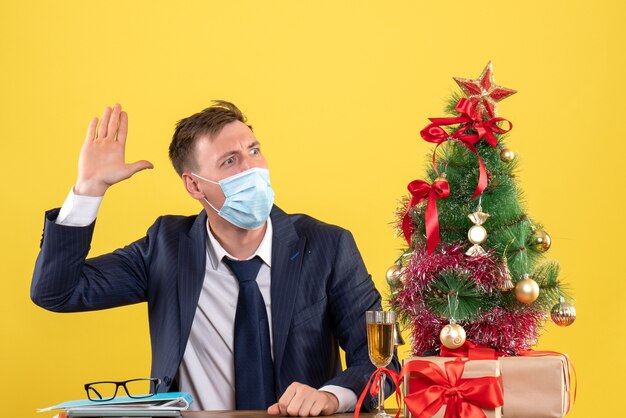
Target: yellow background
x,y
337,93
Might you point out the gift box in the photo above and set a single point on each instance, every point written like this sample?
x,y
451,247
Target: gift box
x,y
437,383
535,386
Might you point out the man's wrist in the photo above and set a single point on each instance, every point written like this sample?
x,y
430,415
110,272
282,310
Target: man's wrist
x,y
332,399
90,188
78,210
346,398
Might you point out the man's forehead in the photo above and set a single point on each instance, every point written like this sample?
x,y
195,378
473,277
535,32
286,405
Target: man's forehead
x,y
215,146
235,131
223,142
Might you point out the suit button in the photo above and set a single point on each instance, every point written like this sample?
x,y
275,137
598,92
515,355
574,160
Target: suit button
x,y
167,380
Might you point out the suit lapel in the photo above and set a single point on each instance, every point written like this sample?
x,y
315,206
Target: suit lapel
x,y
191,271
287,255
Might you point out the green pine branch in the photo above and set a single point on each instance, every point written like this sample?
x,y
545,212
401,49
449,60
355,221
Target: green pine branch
x,y
454,295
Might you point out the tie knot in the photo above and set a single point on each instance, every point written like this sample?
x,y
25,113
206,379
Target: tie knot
x,y
244,271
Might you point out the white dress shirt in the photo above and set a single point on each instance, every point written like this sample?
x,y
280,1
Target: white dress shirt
x,y
207,370
208,367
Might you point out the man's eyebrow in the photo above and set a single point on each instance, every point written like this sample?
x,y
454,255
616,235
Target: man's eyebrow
x,y
253,144
224,155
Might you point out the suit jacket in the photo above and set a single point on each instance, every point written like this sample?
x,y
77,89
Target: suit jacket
x,y
320,292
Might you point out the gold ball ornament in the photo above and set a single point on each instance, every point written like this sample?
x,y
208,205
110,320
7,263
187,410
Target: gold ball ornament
x,y
452,336
541,241
394,274
526,290
563,313
507,155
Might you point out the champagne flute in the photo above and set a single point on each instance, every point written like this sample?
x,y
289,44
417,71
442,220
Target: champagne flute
x,y
380,344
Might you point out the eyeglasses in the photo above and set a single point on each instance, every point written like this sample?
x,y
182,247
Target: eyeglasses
x,y
134,388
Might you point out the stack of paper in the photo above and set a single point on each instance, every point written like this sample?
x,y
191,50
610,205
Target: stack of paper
x,y
159,405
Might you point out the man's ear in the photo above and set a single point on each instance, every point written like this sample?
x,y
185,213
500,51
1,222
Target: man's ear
x,y
191,184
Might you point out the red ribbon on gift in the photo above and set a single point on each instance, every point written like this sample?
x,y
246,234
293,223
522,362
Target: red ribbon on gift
x,y
464,398
478,352
421,190
471,120
373,388
471,351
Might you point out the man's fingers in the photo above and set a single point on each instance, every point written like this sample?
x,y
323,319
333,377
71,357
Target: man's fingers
x,y
273,409
114,121
138,166
123,129
317,408
91,130
305,405
303,400
285,400
294,407
325,403
299,404
104,122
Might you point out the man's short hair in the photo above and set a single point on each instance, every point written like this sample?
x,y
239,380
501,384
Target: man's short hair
x,y
209,122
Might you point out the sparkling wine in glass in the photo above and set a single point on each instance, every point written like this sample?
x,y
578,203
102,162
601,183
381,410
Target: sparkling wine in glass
x,y
380,329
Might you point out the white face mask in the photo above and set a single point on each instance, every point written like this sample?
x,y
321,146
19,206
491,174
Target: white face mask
x,y
249,198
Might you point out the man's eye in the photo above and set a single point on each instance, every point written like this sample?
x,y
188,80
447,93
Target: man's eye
x,y
255,151
229,161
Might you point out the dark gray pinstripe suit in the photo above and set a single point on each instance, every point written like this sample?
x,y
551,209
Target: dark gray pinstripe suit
x,y
320,292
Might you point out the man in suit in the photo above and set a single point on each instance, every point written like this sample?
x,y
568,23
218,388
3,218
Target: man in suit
x,y
269,340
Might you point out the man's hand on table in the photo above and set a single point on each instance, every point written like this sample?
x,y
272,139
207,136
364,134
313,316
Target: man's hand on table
x,y
304,401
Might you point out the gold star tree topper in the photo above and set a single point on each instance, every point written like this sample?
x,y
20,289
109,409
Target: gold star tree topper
x,y
484,91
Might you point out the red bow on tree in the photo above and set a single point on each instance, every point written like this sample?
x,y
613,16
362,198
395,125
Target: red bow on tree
x,y
421,190
470,119
464,398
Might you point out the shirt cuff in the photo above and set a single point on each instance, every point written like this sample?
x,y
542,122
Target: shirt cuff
x,y
78,210
347,398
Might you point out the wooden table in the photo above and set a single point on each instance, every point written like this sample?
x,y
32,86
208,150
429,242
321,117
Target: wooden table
x,y
263,414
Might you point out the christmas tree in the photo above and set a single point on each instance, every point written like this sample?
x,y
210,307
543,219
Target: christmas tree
x,y
475,264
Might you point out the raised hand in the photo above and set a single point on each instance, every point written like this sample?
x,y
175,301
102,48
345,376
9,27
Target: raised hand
x,y
102,158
